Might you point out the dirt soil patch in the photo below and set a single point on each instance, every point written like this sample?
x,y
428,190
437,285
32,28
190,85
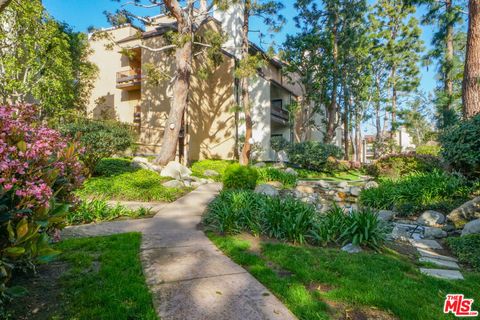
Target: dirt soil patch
x,y
44,297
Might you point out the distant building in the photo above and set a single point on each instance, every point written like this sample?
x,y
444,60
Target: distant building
x,y
212,125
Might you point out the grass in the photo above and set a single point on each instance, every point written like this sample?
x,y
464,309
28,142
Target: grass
x,y
140,185
103,280
318,283
97,210
467,249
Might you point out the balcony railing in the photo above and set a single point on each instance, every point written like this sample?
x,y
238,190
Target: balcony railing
x,y
129,79
278,113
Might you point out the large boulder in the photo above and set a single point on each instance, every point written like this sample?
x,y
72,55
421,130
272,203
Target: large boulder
x,y
386,215
465,213
266,189
434,233
282,156
291,171
431,218
143,163
473,227
176,171
371,185
211,173
174,184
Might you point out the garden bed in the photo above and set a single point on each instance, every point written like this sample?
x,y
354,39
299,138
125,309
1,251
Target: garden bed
x,y
322,283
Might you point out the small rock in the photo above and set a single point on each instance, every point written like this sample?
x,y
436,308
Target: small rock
x,y
343,184
211,173
176,170
434,233
431,218
276,184
282,156
305,189
196,184
473,227
465,213
355,191
279,165
266,189
371,185
386,215
291,171
143,163
173,184
350,248
324,184
400,233
260,165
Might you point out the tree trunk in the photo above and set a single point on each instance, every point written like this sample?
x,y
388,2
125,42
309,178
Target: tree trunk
x,y
346,144
244,85
4,4
471,78
378,122
332,107
449,57
181,86
393,112
358,138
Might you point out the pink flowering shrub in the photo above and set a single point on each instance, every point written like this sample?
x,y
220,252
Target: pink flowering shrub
x,y
39,169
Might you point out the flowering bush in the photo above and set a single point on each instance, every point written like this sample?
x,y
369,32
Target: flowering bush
x,y
38,172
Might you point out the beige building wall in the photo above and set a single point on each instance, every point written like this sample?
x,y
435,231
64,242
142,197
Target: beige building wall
x,y
106,101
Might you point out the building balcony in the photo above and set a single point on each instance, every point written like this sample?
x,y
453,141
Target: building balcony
x,y
129,80
279,114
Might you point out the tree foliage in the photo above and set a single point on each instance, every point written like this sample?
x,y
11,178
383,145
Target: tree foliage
x,y
43,61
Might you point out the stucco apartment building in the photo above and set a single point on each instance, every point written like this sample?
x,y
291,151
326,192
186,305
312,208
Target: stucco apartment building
x,y
212,126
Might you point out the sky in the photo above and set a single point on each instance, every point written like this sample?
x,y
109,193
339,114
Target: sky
x,y
81,14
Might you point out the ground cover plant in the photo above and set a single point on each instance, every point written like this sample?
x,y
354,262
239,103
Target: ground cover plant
x,y
415,192
98,210
39,170
108,167
140,185
467,249
199,167
323,283
93,278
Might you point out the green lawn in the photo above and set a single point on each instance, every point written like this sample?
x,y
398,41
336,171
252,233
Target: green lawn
x,y
130,185
318,283
101,279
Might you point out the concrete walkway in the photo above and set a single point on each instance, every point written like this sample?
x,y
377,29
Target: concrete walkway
x,y
188,276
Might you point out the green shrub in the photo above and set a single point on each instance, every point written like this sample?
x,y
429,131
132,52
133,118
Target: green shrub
x,y
363,228
429,150
235,211
287,219
467,249
101,139
141,185
97,210
272,174
313,155
416,192
461,146
198,168
398,165
279,143
113,166
240,177
330,227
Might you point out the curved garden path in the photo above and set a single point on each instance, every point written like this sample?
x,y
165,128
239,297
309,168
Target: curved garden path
x,y
188,276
